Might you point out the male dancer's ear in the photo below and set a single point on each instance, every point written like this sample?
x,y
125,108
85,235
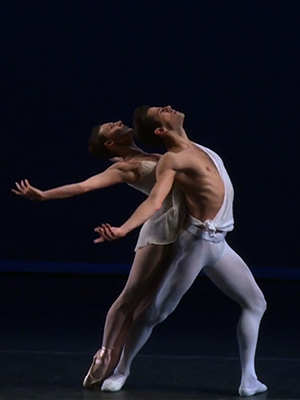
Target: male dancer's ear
x,y
160,131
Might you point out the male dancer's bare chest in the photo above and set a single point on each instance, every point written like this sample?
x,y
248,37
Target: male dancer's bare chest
x,y
199,180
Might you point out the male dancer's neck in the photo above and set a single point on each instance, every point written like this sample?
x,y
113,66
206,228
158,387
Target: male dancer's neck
x,y
177,140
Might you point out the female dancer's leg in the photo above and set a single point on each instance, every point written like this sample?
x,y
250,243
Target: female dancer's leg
x,y
148,269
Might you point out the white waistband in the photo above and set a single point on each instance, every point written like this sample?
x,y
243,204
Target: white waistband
x,y
206,230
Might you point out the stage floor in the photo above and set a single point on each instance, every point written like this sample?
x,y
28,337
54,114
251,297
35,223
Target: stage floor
x,y
51,326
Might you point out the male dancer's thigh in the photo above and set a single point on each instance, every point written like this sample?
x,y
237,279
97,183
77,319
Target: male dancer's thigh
x,y
231,275
190,255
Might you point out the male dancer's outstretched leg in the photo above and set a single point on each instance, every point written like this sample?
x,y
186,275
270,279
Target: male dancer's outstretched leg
x,y
231,275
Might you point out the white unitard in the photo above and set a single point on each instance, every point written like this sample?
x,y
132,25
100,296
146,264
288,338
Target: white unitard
x,y
201,245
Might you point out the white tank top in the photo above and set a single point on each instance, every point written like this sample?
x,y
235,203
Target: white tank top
x,y
224,220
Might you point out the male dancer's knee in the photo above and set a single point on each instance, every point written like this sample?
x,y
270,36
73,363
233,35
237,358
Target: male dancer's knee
x,y
257,303
157,312
261,304
154,316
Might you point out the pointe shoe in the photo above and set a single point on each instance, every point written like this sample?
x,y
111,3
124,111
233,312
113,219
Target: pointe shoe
x,y
98,369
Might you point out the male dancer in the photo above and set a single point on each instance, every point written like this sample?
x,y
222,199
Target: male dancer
x,y
202,177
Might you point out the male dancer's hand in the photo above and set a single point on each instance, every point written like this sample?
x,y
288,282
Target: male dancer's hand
x,y
28,191
108,233
116,159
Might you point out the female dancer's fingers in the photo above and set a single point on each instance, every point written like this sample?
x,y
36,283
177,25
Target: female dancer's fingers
x,y
19,187
16,192
23,184
98,240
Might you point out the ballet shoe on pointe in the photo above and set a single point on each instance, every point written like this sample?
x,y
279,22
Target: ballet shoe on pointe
x,y
96,373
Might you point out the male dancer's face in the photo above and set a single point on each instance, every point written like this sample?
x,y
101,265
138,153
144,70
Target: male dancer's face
x,y
167,116
117,132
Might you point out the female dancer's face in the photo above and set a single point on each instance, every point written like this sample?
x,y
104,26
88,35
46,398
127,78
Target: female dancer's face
x,y
117,132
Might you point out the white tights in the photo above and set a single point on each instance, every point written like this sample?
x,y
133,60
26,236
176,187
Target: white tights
x,y
229,273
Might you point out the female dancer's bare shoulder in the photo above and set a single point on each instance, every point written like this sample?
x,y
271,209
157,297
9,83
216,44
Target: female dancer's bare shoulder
x,y
132,169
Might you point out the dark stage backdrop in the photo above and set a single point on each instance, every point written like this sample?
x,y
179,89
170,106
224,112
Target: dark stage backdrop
x,y
231,66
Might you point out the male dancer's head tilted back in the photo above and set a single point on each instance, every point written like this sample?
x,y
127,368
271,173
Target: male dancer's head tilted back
x,y
153,125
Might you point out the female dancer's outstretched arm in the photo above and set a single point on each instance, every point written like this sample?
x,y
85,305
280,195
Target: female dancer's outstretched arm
x,y
117,173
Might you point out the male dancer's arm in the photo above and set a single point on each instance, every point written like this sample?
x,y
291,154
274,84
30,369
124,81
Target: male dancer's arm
x,y
117,173
165,174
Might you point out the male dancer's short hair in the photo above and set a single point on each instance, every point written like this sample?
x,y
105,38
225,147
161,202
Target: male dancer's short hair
x,y
97,144
144,127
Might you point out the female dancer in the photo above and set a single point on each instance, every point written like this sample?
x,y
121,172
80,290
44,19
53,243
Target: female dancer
x,y
136,168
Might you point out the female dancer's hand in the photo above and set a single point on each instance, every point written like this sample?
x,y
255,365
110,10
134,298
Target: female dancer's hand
x,y
108,233
28,191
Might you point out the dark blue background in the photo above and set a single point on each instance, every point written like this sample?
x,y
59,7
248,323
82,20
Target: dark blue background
x,y
231,66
